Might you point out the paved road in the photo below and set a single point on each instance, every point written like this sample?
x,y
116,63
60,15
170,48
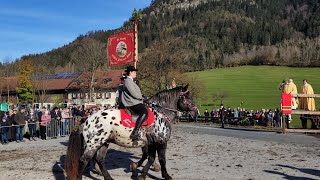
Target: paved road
x,y
290,138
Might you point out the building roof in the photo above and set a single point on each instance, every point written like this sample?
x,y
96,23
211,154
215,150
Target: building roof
x,y
104,79
8,83
56,76
51,84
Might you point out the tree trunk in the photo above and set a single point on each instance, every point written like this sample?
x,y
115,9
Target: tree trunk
x,y
91,87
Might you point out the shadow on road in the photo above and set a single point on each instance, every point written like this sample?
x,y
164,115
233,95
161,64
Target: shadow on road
x,y
313,172
114,160
286,176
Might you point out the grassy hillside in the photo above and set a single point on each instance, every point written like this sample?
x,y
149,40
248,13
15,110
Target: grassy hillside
x,y
255,86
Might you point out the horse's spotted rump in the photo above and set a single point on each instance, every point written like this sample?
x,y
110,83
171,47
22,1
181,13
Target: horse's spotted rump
x,y
98,126
100,131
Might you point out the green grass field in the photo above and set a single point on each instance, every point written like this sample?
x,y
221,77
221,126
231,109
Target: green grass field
x,y
256,86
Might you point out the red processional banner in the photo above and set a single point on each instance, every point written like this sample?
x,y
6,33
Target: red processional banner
x,y
286,103
121,48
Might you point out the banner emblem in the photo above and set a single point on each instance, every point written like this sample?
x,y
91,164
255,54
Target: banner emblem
x,y
121,48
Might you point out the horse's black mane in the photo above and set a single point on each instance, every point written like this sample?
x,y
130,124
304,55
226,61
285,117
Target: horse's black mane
x,y
164,97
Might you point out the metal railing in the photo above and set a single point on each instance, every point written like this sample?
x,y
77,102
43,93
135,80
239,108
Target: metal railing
x,y
52,128
56,128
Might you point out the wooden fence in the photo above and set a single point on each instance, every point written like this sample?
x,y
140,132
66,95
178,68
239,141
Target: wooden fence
x,y
313,115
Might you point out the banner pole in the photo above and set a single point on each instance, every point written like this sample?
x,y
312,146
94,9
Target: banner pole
x,y
135,42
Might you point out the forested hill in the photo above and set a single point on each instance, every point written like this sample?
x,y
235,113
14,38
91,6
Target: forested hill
x,y
191,35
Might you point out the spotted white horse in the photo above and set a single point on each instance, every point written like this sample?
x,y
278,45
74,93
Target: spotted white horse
x,y
105,127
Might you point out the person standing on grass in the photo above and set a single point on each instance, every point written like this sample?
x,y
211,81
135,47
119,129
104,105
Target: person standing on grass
x,y
206,115
20,120
212,115
222,114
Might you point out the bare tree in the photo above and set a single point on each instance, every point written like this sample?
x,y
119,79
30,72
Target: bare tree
x,y
91,54
6,74
161,65
220,96
39,81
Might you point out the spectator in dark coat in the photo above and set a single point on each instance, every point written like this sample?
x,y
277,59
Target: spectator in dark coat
x,y
32,123
206,115
20,121
12,128
212,115
56,120
222,114
4,129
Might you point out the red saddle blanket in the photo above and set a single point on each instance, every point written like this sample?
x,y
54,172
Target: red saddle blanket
x,y
126,119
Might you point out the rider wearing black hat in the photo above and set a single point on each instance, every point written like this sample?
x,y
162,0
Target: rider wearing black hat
x,y
132,98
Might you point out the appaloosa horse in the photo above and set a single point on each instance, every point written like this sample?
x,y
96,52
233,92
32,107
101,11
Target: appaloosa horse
x,y
108,126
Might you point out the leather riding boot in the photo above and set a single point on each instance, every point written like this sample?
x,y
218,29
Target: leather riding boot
x,y
135,133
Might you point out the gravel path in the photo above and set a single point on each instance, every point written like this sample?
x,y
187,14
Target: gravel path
x,y
194,152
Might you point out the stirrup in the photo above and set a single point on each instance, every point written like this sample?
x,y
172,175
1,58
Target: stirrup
x,y
135,137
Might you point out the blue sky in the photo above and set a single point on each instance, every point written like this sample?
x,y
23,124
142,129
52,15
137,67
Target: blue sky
x,y
36,26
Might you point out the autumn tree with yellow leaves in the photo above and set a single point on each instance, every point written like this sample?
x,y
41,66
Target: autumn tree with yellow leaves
x,y
24,89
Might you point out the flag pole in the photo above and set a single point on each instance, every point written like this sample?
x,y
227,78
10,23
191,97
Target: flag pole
x,y
136,15
135,42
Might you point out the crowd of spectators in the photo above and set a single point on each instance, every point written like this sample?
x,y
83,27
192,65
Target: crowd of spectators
x,y
241,116
22,123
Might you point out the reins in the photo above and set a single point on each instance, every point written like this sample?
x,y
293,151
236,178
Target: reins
x,y
169,109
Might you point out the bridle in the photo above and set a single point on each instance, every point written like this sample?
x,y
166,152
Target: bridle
x,y
186,102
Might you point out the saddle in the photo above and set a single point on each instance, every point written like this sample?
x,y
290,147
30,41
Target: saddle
x,y
129,118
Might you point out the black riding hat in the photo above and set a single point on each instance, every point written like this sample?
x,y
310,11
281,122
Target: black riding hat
x,y
131,68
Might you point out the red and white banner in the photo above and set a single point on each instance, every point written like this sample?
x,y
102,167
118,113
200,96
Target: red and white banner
x,y
286,103
121,48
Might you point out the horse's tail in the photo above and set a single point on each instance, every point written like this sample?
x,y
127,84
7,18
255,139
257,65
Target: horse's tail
x,y
74,153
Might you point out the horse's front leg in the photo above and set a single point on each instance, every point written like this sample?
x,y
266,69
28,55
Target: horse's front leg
x,y
162,159
151,158
135,165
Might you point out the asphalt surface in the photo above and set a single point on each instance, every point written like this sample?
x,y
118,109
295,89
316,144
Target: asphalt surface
x,y
260,135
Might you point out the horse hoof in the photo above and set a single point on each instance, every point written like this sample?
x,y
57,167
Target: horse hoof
x,y
142,177
167,177
133,166
156,167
